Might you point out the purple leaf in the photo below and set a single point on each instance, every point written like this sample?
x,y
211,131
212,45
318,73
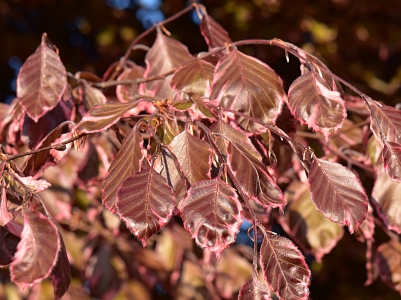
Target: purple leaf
x,y
212,214
254,290
284,268
391,157
91,96
8,246
313,103
388,262
145,202
126,162
125,92
389,119
215,35
61,273
245,84
37,251
41,81
337,193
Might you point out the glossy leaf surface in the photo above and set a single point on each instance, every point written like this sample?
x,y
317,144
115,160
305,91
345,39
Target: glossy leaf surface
x,y
212,214
247,85
388,262
389,120
391,156
337,193
254,290
145,202
41,81
284,268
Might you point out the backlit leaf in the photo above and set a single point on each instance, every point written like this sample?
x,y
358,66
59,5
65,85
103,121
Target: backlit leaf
x,y
145,202
125,92
91,96
284,268
391,156
245,84
37,251
389,119
254,290
8,246
41,81
337,193
126,162
212,214
388,261
215,35
61,273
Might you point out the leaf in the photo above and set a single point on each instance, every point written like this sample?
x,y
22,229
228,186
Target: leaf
x,y
388,261
125,92
193,155
194,76
61,273
389,119
215,35
91,96
313,103
337,193
212,214
254,178
8,246
126,162
103,116
145,202
41,81
284,268
165,55
391,157
245,84
37,251
254,290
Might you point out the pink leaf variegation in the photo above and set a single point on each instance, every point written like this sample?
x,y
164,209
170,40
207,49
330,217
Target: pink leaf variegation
x,y
214,34
389,120
212,214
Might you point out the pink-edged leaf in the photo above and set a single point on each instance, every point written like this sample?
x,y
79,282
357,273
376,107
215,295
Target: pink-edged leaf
x,y
103,116
386,197
313,103
254,178
125,93
41,81
284,268
34,185
37,252
388,262
391,157
91,96
165,55
245,84
193,155
212,214
145,202
8,246
337,193
126,162
61,273
253,289
195,76
215,35
389,119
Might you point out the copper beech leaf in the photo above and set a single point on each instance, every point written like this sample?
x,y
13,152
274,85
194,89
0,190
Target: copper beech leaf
x,y
391,157
165,55
194,156
313,103
126,162
194,76
389,119
61,273
125,93
245,84
337,193
41,81
37,251
91,96
8,246
388,262
284,268
254,290
215,35
103,116
212,214
254,178
145,202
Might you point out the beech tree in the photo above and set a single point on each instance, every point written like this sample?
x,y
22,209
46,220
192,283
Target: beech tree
x,y
190,147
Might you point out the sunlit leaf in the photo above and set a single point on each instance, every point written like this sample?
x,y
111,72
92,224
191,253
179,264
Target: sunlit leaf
x,y
388,261
125,92
313,103
37,251
41,81
8,246
212,214
337,193
126,162
145,202
391,156
389,119
254,290
215,35
284,268
61,273
245,84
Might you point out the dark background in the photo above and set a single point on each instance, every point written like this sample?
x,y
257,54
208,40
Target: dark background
x,y
359,40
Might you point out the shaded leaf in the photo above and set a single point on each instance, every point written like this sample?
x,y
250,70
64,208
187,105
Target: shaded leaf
x,y
61,273
391,156
254,290
313,103
41,81
8,246
91,96
215,35
245,84
126,162
125,93
145,202
212,214
389,119
37,251
388,261
165,55
193,155
284,268
337,193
